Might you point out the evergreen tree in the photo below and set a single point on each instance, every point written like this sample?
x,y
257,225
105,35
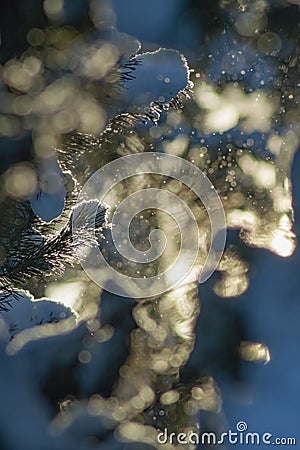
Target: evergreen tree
x,y
106,372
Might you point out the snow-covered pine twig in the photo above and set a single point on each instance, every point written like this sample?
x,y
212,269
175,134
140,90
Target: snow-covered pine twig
x,y
149,83
32,254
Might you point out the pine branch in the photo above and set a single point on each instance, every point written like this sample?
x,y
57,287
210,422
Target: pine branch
x,y
127,70
35,255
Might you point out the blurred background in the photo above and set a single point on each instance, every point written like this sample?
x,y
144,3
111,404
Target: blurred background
x,y
241,126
